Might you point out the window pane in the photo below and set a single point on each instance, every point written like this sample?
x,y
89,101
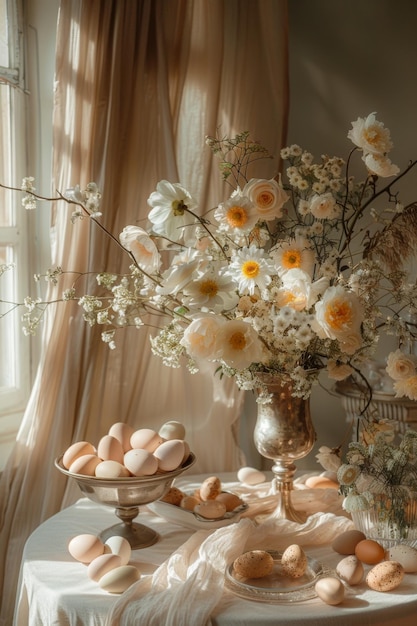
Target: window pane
x,y
8,322
6,211
4,54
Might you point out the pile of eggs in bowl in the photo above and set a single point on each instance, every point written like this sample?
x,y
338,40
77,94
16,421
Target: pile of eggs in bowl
x,y
125,452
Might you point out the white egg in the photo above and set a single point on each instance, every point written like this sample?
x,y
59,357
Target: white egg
x,y
330,590
120,546
145,438
170,454
250,476
103,564
140,462
172,430
85,547
119,579
111,469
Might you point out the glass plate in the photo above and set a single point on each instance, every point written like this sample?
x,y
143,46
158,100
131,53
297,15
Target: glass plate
x,y
277,587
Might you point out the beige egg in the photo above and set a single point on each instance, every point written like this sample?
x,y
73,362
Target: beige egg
x,y
85,547
140,462
210,488
346,542
385,576
330,590
103,564
250,476
146,439
253,564
404,554
123,433
230,500
189,503
120,546
211,509
111,469
119,579
172,430
110,449
350,569
369,551
85,465
169,454
294,561
80,448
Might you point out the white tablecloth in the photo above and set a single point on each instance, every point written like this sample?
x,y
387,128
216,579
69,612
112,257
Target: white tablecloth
x,y
55,590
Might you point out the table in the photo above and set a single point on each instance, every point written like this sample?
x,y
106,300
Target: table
x,y
54,589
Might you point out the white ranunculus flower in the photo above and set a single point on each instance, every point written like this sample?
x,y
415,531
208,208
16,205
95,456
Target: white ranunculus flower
x,y
370,135
380,165
199,337
169,215
298,291
140,244
401,366
267,196
238,345
339,316
324,207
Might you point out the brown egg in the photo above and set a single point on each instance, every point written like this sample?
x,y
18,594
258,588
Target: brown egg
x,y
189,503
253,564
210,488
230,500
346,542
173,496
369,552
210,509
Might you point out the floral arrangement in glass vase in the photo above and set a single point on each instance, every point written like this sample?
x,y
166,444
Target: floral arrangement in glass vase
x,y
288,275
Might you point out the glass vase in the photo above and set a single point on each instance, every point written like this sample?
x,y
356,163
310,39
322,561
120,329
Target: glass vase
x,y
391,518
284,432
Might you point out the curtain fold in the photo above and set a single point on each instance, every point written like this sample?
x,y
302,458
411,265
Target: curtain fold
x,y
138,85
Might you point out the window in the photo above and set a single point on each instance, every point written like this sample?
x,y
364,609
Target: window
x,y
14,352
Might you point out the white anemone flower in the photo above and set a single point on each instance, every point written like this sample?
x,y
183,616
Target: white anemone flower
x,y
370,135
211,291
137,241
298,291
380,165
251,268
295,253
237,215
238,345
199,337
324,207
171,204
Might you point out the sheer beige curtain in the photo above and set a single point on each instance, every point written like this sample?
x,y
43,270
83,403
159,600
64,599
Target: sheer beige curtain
x,y
138,86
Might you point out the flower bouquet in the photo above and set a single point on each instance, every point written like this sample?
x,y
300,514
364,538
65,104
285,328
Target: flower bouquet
x,y
289,275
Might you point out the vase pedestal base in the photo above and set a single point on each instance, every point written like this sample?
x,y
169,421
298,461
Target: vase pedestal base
x,y
283,477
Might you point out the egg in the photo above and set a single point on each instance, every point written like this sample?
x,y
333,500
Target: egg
x,y
404,554
80,448
253,564
330,590
189,503
321,482
350,569
346,542
85,547
294,561
103,564
211,509
111,469
123,433
85,465
140,462
119,579
146,439
110,449
169,454
210,488
173,496
369,551
230,500
120,546
250,476
172,430
385,576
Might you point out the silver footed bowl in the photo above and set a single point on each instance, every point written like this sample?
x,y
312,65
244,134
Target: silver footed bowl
x,y
126,495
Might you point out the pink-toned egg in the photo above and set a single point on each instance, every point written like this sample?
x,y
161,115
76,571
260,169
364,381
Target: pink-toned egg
x,y
230,500
169,454
85,547
110,449
123,433
140,462
77,449
103,564
211,509
146,438
111,469
85,465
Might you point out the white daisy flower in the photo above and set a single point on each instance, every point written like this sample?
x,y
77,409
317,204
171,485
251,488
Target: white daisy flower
x,y
251,268
237,215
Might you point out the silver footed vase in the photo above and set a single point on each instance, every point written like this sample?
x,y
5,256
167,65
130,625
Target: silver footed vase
x,y
284,432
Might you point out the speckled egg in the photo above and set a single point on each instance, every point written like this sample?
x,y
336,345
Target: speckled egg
x,y
210,488
173,496
294,561
385,576
404,554
253,564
